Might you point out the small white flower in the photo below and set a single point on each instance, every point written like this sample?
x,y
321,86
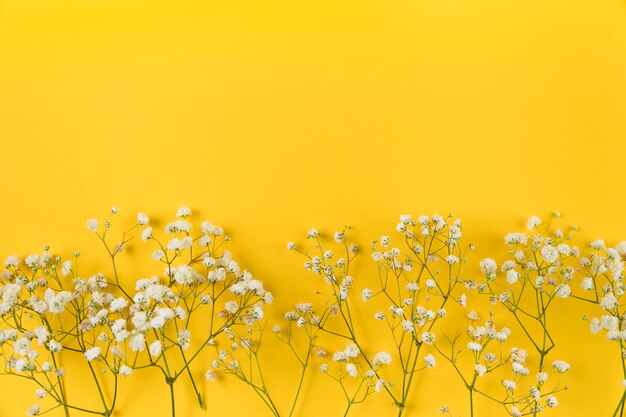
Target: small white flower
x,y
92,224
22,346
142,219
231,307
33,410
451,259
184,275
210,375
378,387
118,304
549,253
587,284
366,294
351,370
474,347
430,360
183,212
54,346
564,291
66,268
551,401
382,358
137,342
533,222
489,268
561,366
509,385
155,348
126,370
408,326
146,234
428,338
608,302
512,276
93,353
351,350
12,260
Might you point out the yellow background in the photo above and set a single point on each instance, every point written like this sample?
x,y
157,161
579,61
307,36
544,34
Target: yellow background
x,y
269,117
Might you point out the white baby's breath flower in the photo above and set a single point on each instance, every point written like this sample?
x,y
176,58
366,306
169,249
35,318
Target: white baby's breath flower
x,y
564,291
489,268
509,385
587,284
430,360
146,234
33,410
126,370
66,268
351,369
512,276
92,225
408,326
231,307
561,366
155,348
474,347
93,353
533,222
382,358
608,302
551,401
549,253
183,212
428,338
12,260
142,219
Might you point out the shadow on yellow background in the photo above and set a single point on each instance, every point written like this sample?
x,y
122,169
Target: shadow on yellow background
x,y
272,117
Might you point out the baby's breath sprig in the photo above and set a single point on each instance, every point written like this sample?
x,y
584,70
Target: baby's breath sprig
x,y
539,273
601,273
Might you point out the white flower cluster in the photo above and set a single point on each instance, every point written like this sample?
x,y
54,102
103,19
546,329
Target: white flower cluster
x,y
117,331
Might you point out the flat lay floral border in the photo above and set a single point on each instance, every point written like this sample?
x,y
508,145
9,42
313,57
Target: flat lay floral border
x,y
418,273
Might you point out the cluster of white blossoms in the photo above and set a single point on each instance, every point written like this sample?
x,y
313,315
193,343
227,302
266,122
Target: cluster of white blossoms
x,y
416,278
199,302
480,338
543,261
48,310
534,397
602,276
601,283
366,372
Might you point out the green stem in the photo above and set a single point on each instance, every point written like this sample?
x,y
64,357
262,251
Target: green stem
x,y
304,367
171,384
620,405
95,378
